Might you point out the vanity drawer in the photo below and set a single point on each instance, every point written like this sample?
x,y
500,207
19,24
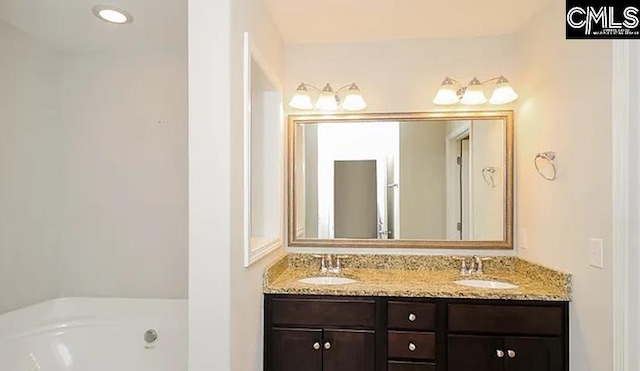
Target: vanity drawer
x,y
349,312
411,315
410,366
534,320
411,345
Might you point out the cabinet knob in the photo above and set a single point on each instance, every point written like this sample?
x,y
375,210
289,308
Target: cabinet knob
x,y
316,345
500,353
412,317
511,353
327,345
412,347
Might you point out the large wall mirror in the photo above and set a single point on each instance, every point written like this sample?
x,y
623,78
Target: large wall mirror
x,y
424,180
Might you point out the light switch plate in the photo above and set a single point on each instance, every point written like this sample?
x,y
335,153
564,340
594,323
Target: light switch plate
x,y
523,239
596,253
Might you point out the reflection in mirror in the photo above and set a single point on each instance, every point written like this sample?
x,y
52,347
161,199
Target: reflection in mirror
x,y
266,104
395,179
262,159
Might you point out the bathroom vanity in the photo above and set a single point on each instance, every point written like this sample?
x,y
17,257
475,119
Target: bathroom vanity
x,y
430,180
419,320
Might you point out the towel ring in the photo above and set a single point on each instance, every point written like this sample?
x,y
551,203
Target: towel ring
x,y
487,174
549,157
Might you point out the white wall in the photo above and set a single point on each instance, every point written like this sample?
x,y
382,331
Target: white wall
x,y
487,147
209,204
93,190
307,181
565,106
246,284
423,180
399,76
124,156
30,176
634,208
266,156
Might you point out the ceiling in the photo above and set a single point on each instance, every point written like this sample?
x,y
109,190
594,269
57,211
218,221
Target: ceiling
x,y
307,21
70,24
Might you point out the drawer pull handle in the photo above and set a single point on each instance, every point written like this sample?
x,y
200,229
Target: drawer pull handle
x,y
500,353
412,347
511,353
327,345
412,317
316,345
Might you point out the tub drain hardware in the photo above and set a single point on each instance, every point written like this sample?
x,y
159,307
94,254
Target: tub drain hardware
x,y
150,336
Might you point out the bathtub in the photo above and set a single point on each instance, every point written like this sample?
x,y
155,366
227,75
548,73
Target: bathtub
x,y
84,334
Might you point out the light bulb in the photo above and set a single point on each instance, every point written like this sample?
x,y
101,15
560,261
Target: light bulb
x,y
112,15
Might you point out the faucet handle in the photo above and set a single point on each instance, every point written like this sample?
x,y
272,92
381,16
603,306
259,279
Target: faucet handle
x,y
480,262
464,269
323,266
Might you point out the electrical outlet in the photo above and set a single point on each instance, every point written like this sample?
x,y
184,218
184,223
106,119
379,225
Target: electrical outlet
x,y
596,253
523,239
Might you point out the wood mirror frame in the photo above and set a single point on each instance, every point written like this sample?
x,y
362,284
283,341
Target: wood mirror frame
x,y
506,243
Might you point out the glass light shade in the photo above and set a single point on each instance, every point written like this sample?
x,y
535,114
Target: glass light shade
x,y
301,101
327,102
503,93
354,101
474,93
446,95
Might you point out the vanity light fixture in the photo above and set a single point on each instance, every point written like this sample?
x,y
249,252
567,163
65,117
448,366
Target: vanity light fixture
x,y
452,91
329,99
112,14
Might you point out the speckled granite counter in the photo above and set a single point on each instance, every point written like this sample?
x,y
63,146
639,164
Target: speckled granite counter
x,y
418,276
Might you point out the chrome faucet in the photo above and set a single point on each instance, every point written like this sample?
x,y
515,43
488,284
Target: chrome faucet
x,y
477,261
330,264
474,266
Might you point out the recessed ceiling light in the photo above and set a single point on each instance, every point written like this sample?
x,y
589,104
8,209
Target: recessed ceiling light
x,y
112,14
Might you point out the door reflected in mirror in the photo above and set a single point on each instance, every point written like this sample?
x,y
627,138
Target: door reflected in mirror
x,y
398,179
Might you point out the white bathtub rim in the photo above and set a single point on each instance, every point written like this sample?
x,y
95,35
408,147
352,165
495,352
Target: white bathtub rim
x,y
63,313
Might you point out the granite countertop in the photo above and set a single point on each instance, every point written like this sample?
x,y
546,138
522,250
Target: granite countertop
x,y
418,276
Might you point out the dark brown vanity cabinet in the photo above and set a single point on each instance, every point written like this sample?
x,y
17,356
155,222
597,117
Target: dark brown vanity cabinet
x,y
411,335
329,334
319,333
495,353
316,350
501,337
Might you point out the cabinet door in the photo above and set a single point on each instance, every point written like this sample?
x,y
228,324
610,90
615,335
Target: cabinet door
x,y
295,350
533,354
475,353
346,350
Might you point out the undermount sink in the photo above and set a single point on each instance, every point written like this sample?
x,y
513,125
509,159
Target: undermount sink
x,y
486,284
327,280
